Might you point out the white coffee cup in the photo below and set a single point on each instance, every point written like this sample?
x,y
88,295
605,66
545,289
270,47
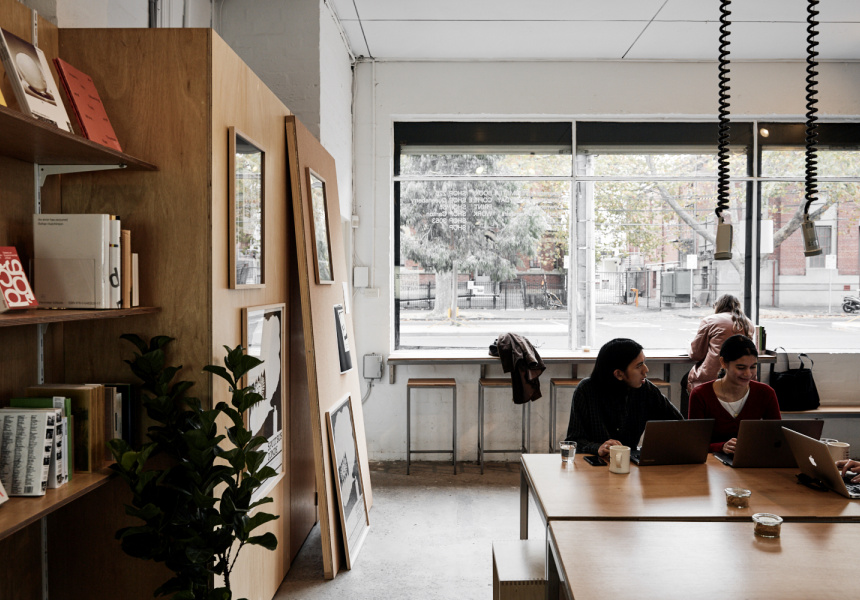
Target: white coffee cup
x,y
619,459
839,450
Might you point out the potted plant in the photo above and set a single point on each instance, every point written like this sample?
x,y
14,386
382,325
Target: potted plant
x,y
195,505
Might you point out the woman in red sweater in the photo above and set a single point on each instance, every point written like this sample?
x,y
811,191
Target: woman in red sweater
x,y
735,395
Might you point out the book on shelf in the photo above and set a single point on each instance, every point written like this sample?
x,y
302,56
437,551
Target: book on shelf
x,y
114,263
125,411
71,260
30,76
65,404
125,272
28,449
135,279
88,420
15,290
87,105
3,495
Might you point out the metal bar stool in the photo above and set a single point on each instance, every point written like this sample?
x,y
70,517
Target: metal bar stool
x,y
498,382
430,384
554,385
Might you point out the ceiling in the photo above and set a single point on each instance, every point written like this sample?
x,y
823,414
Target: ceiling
x,y
593,29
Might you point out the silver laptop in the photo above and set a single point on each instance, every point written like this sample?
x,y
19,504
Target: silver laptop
x,y
761,443
814,460
674,443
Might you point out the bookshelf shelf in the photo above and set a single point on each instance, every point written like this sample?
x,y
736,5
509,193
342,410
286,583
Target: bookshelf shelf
x,y
37,316
29,140
19,512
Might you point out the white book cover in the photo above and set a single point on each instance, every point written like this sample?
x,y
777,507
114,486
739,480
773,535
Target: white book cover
x,y
32,432
71,260
115,264
3,495
30,76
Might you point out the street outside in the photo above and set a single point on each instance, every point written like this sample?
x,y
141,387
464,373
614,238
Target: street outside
x,y
797,329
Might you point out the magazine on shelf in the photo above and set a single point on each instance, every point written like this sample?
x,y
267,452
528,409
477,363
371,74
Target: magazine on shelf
x,y
15,290
30,76
28,452
72,260
3,495
66,442
87,105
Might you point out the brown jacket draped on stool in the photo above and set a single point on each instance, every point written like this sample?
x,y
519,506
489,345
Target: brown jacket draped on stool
x,y
522,361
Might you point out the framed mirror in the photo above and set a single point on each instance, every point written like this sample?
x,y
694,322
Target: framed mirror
x,y
246,167
320,229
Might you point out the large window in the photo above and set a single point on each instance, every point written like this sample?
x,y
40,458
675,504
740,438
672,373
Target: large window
x,y
513,227
801,297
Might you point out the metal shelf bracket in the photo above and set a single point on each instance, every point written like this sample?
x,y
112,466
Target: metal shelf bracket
x,y
45,170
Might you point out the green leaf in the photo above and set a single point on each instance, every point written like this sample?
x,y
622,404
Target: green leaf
x,y
136,340
267,541
258,519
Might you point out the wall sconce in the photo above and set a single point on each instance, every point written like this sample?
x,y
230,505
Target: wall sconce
x,y
723,249
810,239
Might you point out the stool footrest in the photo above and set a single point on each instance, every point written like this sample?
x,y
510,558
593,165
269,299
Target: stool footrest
x,y
429,383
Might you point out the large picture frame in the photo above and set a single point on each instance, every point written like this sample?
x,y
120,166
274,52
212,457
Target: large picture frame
x,y
263,337
320,236
247,204
351,501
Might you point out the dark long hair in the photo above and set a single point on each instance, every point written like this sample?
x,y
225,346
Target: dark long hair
x,y
614,354
737,347
730,304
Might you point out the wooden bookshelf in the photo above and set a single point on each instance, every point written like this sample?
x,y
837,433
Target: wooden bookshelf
x,y
37,316
31,140
19,512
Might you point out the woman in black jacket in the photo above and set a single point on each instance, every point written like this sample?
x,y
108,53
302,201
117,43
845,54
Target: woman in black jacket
x,y
612,406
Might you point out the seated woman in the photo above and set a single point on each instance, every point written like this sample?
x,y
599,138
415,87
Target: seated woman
x,y
612,406
735,395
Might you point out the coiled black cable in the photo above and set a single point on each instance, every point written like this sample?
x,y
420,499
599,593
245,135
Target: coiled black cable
x,y
723,145
811,156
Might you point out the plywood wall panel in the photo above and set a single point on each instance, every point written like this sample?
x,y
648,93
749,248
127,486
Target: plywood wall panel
x,y
326,385
155,84
241,100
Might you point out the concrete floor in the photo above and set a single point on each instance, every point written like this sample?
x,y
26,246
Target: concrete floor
x,y
430,537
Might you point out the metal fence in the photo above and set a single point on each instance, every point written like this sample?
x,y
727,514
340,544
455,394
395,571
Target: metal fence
x,y
504,295
616,287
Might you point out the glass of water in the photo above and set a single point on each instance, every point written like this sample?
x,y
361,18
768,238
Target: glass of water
x,y
568,452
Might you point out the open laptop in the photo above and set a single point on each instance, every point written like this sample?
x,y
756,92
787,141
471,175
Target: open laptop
x,y
674,443
814,460
761,443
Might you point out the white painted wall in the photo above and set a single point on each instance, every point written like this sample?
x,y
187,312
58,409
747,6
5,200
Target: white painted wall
x,y
390,91
335,131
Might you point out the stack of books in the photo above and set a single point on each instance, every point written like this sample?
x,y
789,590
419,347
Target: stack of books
x,y
83,261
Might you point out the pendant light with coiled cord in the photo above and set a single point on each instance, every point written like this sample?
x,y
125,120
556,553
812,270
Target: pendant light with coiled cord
x,y
810,239
723,250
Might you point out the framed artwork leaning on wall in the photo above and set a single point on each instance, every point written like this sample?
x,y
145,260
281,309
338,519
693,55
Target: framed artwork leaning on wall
x,y
352,507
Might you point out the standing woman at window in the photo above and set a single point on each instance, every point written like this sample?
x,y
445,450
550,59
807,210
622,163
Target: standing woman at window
x,y
728,319
735,396
612,406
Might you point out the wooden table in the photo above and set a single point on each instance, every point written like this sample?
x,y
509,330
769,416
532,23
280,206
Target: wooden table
x,y
668,493
593,560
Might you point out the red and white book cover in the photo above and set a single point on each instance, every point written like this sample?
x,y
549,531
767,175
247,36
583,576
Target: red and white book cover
x,y
15,290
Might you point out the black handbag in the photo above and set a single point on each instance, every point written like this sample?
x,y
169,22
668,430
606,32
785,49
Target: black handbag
x,y
795,388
